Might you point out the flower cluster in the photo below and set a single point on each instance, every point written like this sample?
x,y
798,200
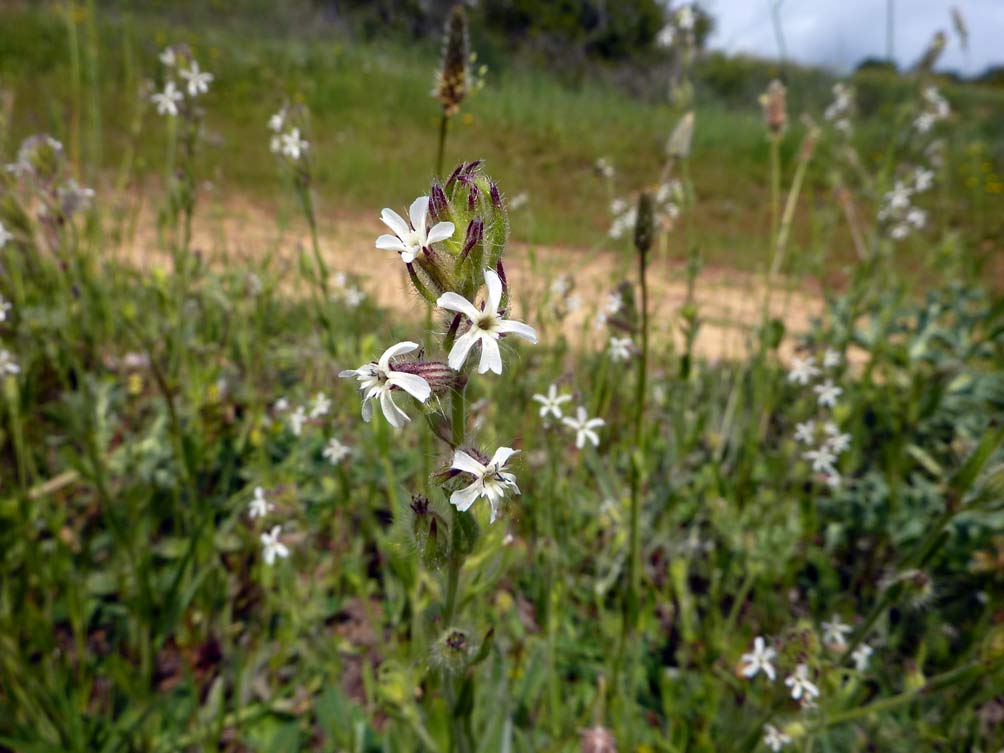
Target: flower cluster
x,y
194,81
823,440
287,128
935,109
583,426
898,210
841,110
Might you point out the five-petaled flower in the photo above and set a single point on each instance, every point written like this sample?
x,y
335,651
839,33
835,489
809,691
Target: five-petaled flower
x,y
774,738
822,459
834,632
198,81
551,402
272,547
320,405
377,379
167,100
759,660
334,452
827,393
491,481
802,370
486,326
802,688
7,363
5,236
409,240
296,420
259,506
620,348
292,144
860,655
584,427
805,432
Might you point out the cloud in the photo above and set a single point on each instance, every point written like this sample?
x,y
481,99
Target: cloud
x,y
841,33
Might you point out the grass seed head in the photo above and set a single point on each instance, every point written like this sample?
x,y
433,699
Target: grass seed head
x,y
775,108
452,82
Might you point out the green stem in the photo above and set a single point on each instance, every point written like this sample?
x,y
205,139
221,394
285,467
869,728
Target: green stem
x,y
441,153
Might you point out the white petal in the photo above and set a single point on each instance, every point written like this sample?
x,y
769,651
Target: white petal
x,y
395,222
491,358
463,345
394,415
367,410
391,243
494,284
408,256
464,462
418,211
519,329
396,350
462,499
441,231
456,302
502,455
348,373
594,422
413,384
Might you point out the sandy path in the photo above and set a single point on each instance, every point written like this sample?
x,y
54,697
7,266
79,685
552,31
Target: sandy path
x,y
728,302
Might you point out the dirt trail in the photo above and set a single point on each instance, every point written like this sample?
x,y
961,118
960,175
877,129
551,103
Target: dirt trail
x,y
729,302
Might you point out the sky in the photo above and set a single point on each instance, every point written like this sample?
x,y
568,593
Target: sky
x,y
840,33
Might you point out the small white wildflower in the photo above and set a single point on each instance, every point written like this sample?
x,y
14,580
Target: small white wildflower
x,y
833,479
519,200
584,427
276,121
5,236
899,231
827,393
198,81
805,432
774,738
7,363
665,36
293,145
409,240
486,326
685,18
600,320
5,306
832,358
377,379
353,296
551,402
275,144
281,405
272,547
899,197
839,442
822,459
167,57
259,506
924,122
491,481
561,286
167,100
620,348
759,660
861,655
800,684
296,420
916,217
802,370
834,632
334,452
922,179
615,302
604,167
573,303
320,405
618,206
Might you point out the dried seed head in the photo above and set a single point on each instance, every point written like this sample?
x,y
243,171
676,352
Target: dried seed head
x,y
678,146
598,739
452,78
933,52
644,227
775,108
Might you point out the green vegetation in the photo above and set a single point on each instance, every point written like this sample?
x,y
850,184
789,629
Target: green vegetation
x,y
189,563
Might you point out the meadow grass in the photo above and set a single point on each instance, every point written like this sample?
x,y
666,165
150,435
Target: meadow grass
x,y
833,490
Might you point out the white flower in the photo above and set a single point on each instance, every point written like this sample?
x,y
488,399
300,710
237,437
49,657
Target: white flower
x,y
281,405
774,738
296,420
899,231
167,100
320,406
7,363
168,58
665,36
805,432
292,145
923,122
5,236
5,306
831,358
486,327
802,370
685,18
822,459
275,144
272,547
620,348
600,320
353,296
614,303
277,120
561,286
198,81
259,506
335,451
838,441
409,240
377,380
827,393
916,217
922,179
491,481
584,426
860,655
759,660
604,167
573,302
800,684
618,206
833,478
551,402
834,632
518,201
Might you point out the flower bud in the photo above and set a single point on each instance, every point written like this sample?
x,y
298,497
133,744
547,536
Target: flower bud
x,y
453,650
452,79
475,234
439,208
439,375
429,530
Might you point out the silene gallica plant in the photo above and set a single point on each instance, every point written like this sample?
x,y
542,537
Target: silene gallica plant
x,y
452,244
